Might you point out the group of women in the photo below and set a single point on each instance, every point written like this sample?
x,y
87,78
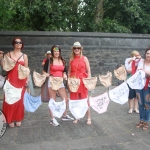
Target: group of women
x,y
78,68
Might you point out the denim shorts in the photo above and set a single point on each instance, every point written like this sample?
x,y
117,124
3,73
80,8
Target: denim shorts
x,y
132,93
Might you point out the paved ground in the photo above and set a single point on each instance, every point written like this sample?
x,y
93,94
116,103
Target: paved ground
x,y
113,130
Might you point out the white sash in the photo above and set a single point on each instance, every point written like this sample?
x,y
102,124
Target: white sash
x,y
78,108
137,81
100,103
120,94
12,94
57,108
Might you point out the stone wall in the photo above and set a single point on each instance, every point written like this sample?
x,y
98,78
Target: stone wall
x,y
104,50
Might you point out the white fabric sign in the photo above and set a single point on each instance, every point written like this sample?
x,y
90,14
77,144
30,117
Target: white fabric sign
x,y
12,94
100,103
120,93
57,108
78,108
137,81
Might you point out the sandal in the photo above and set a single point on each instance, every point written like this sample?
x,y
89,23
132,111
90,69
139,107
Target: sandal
x,y
89,122
141,123
18,124
12,125
76,121
145,127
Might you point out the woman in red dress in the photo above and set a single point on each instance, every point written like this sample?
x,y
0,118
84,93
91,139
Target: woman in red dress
x,y
79,67
15,112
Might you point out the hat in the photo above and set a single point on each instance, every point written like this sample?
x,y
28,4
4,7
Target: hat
x,y
76,44
48,52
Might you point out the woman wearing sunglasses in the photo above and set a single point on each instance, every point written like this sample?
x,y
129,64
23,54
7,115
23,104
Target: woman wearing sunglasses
x,y
79,67
15,112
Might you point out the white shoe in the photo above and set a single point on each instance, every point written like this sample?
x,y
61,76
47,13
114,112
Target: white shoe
x,y
54,122
136,111
130,111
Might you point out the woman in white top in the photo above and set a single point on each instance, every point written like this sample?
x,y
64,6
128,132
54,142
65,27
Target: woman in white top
x,y
143,95
131,66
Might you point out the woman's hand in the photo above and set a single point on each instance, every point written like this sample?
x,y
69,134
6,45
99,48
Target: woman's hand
x,y
64,76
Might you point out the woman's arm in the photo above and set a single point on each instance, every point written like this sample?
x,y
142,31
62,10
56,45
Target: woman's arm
x,y
87,67
69,68
25,60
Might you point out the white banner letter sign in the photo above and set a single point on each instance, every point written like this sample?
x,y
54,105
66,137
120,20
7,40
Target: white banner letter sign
x,y
119,94
137,81
100,103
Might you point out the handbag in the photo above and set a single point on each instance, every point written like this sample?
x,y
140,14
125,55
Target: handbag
x,y
23,72
8,63
106,80
73,84
90,83
120,73
56,82
38,79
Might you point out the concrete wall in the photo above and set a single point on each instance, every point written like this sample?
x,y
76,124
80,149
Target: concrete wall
x,y
104,50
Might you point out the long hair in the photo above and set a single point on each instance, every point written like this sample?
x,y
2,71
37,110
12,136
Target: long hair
x,y
60,57
146,51
13,42
73,55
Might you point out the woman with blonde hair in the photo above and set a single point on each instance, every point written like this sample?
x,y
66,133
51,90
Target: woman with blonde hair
x,y
131,67
79,67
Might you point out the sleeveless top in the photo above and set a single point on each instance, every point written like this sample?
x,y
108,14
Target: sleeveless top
x,y
78,68
56,70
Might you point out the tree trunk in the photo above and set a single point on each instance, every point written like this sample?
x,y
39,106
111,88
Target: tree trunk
x,y
99,12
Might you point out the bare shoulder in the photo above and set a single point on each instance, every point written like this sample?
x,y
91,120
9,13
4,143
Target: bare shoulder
x,y
85,58
25,56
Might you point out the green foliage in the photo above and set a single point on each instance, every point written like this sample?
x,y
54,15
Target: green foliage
x,y
116,16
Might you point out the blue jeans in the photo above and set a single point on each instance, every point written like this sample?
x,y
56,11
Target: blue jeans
x,y
143,97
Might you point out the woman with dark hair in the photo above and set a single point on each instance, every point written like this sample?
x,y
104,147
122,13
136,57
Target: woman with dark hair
x,y
15,112
57,69
144,94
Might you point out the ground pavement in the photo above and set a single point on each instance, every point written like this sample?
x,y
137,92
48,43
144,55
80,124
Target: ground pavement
x,y
113,130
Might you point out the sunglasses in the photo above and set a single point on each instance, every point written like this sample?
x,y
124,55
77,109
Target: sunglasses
x,y
17,42
77,48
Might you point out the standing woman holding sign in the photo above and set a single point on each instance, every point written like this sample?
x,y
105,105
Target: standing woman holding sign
x,y
143,95
131,66
79,67
14,112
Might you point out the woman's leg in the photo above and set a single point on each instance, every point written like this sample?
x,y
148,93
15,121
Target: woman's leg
x,y
146,108
63,95
136,109
140,97
52,94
